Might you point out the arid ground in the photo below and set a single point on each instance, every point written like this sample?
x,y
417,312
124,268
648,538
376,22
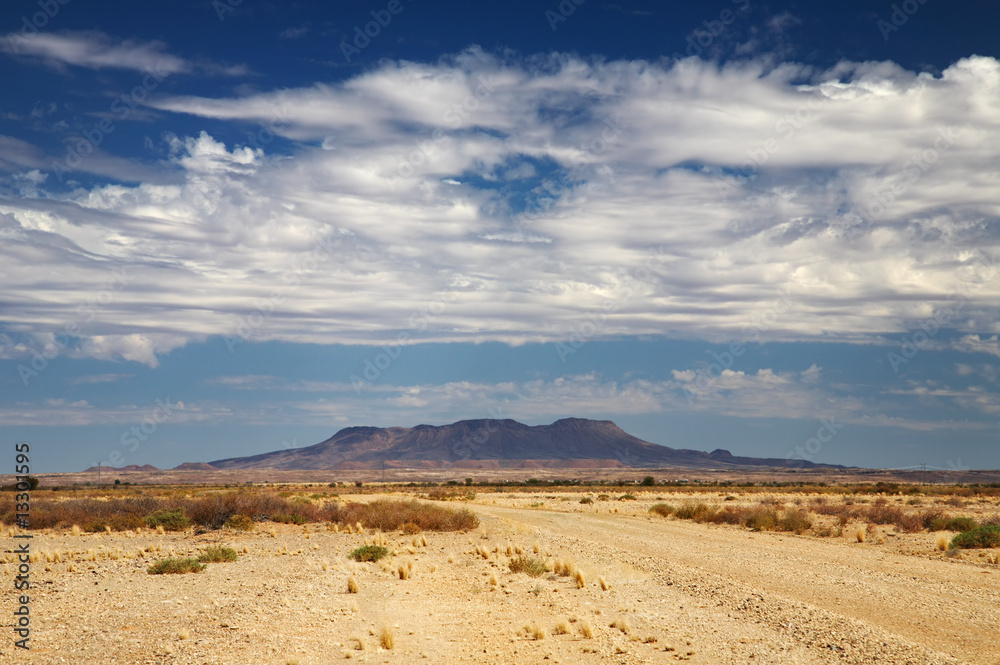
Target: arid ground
x,y
650,589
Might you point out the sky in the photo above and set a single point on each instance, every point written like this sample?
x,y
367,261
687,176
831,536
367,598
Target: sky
x,y
233,226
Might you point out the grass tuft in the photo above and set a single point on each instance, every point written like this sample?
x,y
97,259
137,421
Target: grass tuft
x,y
175,567
369,553
218,554
530,566
352,585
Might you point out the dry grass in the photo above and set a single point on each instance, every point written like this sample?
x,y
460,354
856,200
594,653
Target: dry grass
x,y
562,627
604,585
535,631
352,585
530,566
586,630
859,535
622,625
942,542
387,637
403,571
581,581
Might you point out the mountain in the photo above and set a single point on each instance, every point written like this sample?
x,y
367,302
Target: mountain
x,y
130,467
570,442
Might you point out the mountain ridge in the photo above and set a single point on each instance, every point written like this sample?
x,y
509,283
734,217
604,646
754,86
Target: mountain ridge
x,y
576,442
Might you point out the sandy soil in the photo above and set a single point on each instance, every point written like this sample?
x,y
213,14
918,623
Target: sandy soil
x,y
676,590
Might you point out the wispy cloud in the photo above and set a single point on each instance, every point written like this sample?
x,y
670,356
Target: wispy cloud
x,y
423,182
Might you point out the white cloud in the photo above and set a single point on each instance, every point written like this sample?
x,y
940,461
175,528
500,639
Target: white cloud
x,y
661,222
96,50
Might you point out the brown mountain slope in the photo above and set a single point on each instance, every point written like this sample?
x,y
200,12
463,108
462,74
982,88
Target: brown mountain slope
x,y
507,442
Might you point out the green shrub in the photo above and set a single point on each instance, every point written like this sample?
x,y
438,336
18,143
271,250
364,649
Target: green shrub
x,y
170,520
240,523
648,481
981,536
369,553
662,509
175,567
218,554
586,499
286,518
603,497
530,566
626,497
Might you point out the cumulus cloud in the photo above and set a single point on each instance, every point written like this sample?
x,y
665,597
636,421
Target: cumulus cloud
x,y
541,199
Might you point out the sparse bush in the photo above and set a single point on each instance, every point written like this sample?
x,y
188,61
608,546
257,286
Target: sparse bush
x,y
369,553
586,500
410,528
175,567
981,536
218,554
626,497
662,509
795,521
603,497
240,523
170,520
530,566
762,519
389,515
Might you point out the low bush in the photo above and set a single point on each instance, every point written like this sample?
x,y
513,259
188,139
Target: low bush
x,y
240,523
390,515
761,519
530,566
795,521
662,509
981,536
286,518
170,520
586,500
369,553
175,567
218,554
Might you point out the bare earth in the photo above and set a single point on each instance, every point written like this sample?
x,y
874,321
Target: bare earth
x,y
681,591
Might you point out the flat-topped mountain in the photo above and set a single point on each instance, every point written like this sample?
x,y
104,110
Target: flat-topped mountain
x,y
570,442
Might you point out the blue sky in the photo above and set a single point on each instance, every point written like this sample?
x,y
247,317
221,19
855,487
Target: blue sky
x,y
231,227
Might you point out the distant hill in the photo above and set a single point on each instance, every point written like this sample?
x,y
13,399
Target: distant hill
x,y
480,444
130,467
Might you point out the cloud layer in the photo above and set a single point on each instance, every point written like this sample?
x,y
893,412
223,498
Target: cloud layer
x,y
532,199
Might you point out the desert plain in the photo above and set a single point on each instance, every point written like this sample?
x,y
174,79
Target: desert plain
x,y
619,583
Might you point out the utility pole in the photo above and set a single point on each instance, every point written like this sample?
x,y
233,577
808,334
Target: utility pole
x,y
98,473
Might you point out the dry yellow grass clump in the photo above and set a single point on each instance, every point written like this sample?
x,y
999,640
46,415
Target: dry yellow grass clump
x,y
535,631
562,627
387,637
586,630
860,535
352,585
